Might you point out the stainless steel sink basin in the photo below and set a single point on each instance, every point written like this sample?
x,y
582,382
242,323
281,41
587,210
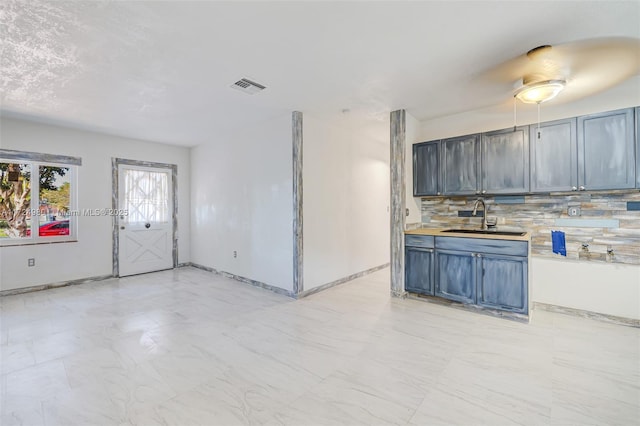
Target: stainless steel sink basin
x,y
487,232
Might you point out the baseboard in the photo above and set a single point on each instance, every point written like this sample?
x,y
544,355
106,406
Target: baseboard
x,y
351,277
523,318
54,285
630,322
244,280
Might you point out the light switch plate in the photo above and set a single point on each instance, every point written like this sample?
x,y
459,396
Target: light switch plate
x,y
31,261
573,211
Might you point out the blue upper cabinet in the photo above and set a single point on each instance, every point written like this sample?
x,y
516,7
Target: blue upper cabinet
x,y
505,161
426,169
606,151
460,162
554,156
588,153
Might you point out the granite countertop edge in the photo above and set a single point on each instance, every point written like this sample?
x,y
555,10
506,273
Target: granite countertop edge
x,y
438,232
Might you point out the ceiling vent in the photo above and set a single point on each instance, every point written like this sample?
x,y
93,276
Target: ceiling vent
x,y
247,86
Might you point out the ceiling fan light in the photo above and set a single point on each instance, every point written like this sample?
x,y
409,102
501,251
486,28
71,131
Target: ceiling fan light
x,y
542,91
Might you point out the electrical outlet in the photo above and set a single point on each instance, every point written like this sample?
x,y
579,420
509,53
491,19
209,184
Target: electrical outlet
x,y
573,211
31,261
235,254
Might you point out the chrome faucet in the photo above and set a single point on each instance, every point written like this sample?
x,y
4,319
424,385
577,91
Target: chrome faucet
x,y
484,211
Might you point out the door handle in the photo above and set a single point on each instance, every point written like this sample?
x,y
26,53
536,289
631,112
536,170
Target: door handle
x,y
122,227
147,225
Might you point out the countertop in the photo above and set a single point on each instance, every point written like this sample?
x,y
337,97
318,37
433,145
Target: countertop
x,y
437,232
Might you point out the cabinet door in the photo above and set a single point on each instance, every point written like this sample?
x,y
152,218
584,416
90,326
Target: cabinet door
x,y
456,275
426,171
419,271
606,151
503,283
505,161
554,156
460,165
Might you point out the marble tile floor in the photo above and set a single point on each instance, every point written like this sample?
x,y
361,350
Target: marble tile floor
x,y
187,347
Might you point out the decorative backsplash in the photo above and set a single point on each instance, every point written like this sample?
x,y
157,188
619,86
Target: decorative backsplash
x,y
606,221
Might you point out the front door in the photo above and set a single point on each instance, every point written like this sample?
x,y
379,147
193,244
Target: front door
x,y
145,232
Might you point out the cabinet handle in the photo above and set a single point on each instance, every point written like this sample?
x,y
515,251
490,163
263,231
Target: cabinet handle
x,y
574,188
484,191
437,193
477,192
478,255
582,188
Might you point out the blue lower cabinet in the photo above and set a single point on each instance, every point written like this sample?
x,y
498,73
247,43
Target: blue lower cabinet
x,y
419,270
502,282
489,273
456,275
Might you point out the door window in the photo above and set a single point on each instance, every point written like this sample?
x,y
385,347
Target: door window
x,y
146,196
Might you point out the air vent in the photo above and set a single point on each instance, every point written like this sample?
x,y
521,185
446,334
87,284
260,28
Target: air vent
x,y
247,86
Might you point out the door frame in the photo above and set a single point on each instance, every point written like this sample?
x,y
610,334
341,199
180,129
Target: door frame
x,y
115,163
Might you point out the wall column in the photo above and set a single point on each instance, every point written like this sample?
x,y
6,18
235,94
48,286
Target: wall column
x,y
296,125
398,200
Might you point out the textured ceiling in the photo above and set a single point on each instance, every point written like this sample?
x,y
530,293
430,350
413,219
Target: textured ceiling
x,y
161,71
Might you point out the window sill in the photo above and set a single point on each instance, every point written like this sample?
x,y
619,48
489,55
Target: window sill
x,y
35,243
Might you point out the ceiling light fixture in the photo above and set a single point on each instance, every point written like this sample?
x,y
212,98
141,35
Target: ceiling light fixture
x,y
539,92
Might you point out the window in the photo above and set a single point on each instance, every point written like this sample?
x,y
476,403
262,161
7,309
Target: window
x,y
37,198
145,196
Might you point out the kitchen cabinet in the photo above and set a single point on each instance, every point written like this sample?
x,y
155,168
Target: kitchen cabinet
x,y
460,161
554,156
490,273
587,153
497,269
502,282
426,169
606,151
456,275
419,264
505,161
419,272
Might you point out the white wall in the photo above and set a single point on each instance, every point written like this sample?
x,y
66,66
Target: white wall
x,y
242,200
346,196
92,255
501,116
605,288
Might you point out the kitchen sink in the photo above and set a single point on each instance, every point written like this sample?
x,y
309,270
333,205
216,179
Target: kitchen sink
x,y
486,232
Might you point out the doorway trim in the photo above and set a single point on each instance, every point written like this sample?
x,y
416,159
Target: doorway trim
x,y
115,162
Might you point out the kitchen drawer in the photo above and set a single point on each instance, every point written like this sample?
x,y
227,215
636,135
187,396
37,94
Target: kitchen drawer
x,y
426,241
483,245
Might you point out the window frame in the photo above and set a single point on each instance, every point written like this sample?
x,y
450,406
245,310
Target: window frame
x,y
34,161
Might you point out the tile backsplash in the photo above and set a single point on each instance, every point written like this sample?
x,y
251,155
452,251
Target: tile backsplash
x,y
605,221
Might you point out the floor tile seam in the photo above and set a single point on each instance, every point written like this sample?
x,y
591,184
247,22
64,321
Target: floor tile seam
x,y
476,402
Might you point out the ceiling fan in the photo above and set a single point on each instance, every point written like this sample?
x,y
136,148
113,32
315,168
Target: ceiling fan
x,y
536,87
578,69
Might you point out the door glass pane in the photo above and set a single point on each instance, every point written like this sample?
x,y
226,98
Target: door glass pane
x,y
55,198
146,196
15,200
